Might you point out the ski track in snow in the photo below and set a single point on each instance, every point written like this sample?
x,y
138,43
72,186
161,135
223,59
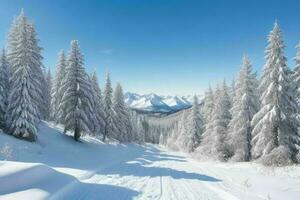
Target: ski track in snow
x,y
130,172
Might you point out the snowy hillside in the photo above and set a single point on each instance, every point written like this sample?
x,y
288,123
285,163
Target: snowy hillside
x,y
158,103
57,167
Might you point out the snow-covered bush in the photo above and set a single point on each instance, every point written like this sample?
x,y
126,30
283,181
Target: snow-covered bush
x,y
279,156
7,151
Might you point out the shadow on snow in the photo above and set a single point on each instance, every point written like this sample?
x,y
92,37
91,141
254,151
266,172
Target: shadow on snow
x,y
58,184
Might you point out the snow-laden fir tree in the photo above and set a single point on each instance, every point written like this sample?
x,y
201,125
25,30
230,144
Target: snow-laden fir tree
x,y
108,108
47,96
208,105
121,117
25,102
179,137
245,105
137,132
232,90
170,143
213,144
196,122
97,105
41,72
296,76
145,128
76,105
4,88
275,127
93,125
57,89
193,128
205,150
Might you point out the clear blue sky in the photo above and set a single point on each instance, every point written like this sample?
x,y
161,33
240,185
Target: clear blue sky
x,y
162,46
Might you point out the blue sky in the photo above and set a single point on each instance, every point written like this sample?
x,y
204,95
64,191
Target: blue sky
x,y
167,47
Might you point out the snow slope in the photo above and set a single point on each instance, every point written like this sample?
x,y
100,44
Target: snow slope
x,y
59,168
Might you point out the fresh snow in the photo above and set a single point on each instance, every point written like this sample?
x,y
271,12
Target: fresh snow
x,y
57,167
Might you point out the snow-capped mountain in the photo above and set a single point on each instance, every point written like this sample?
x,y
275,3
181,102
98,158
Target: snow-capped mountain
x,y
157,103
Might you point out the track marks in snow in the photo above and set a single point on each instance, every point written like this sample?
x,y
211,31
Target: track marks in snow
x,y
150,174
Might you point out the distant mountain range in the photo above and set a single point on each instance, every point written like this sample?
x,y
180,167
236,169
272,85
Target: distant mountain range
x,y
157,103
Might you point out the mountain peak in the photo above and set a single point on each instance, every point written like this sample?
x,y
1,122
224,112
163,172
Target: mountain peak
x,y
157,103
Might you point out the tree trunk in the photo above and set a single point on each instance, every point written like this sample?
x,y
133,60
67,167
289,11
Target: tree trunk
x,y
76,133
105,132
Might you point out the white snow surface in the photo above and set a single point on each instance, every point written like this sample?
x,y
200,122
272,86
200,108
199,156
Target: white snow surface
x,y
57,167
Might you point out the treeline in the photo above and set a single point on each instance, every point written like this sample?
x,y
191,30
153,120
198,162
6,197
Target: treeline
x,y
251,120
73,98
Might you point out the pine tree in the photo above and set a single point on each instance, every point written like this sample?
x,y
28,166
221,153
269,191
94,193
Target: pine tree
x,y
193,128
245,105
76,105
47,96
205,150
213,143
121,116
232,91
40,72
108,110
26,96
221,118
197,122
296,76
275,135
4,88
145,128
208,105
57,89
173,142
97,105
137,133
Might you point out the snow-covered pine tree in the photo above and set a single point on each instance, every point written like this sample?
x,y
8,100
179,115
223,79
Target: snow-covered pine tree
x,y
208,105
76,105
145,128
174,132
197,122
191,135
206,150
213,143
296,76
4,88
232,91
245,105
92,122
221,118
57,89
108,109
121,117
179,140
47,96
275,127
97,105
137,132
40,71
26,97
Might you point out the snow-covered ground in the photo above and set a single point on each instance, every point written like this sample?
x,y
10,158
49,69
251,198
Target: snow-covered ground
x,y
59,168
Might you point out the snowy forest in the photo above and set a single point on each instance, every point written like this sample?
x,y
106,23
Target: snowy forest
x,y
71,97
256,118
253,119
